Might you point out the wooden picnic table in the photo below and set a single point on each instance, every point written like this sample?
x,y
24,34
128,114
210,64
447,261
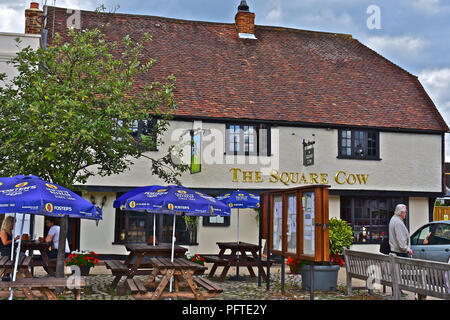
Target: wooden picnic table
x,y
182,272
237,257
136,263
42,247
29,287
7,266
32,288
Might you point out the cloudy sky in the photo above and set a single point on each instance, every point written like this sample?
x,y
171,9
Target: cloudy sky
x,y
414,34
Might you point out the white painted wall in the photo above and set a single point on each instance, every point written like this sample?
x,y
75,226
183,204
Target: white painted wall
x,y
409,162
8,49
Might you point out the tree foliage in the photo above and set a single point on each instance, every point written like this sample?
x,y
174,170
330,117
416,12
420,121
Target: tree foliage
x,y
70,112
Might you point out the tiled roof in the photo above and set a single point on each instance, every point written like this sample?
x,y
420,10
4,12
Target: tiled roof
x,y
286,75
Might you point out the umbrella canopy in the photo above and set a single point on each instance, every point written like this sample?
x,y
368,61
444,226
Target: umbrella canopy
x,y
240,199
170,199
32,195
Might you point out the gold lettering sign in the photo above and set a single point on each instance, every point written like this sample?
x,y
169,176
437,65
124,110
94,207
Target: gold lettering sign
x,y
299,178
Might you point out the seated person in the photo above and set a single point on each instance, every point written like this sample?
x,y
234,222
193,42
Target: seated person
x,y
6,236
53,238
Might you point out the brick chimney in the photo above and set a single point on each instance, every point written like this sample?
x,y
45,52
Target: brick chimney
x,y
245,21
33,19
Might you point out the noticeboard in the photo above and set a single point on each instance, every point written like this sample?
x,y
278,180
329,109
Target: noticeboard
x,y
295,221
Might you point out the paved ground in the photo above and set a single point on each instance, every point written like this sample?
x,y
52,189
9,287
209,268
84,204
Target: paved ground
x,y
100,279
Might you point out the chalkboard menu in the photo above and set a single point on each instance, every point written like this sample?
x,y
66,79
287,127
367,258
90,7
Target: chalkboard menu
x,y
297,222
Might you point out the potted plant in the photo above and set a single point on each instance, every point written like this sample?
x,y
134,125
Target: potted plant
x,y
326,274
296,264
196,259
85,260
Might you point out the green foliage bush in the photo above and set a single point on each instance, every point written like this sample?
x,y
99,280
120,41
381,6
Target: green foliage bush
x,y
341,236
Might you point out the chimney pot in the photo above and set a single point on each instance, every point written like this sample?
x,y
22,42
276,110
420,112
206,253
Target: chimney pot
x,y
245,21
33,19
244,6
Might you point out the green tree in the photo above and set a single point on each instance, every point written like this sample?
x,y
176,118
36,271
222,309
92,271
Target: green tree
x,y
71,111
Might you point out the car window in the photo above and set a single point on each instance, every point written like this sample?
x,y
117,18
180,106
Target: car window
x,y
441,234
421,235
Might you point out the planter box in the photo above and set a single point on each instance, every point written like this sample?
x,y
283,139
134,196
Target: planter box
x,y
325,277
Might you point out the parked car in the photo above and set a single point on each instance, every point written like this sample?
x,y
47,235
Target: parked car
x,y
432,242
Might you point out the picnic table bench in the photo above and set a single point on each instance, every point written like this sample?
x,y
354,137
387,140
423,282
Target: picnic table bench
x,y
182,272
7,266
237,258
136,263
42,287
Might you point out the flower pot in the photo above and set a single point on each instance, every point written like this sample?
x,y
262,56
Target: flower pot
x,y
325,277
84,270
295,270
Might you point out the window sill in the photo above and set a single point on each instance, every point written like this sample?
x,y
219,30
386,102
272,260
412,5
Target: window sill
x,y
359,158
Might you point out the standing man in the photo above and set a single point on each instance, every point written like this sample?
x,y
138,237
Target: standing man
x,y
398,233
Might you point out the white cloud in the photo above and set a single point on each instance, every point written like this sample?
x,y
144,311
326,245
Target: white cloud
x,y
428,6
275,13
405,47
437,84
12,18
327,18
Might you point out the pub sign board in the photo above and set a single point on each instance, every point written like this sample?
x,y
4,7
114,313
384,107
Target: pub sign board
x,y
308,153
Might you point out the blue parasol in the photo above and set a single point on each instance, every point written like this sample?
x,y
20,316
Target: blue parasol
x,y
240,199
170,200
166,200
32,195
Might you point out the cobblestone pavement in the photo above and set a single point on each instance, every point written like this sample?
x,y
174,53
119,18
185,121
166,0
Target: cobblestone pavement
x,y
99,288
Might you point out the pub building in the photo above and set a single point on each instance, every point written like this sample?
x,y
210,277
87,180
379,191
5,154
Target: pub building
x,y
263,108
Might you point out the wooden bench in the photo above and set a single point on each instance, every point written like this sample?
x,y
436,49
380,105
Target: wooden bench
x,y
135,286
43,287
215,259
213,289
426,278
116,267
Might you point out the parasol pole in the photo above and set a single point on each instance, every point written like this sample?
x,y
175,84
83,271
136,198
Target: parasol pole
x,y
17,259
154,228
13,236
238,227
238,253
173,246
